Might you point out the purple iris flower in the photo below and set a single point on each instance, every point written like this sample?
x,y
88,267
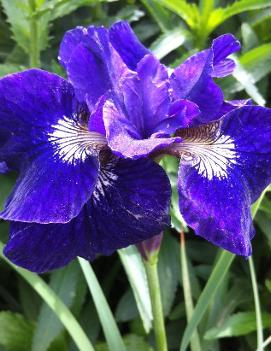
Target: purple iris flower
x,y
73,197
224,147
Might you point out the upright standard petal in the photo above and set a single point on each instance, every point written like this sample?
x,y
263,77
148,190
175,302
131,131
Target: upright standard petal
x,y
193,79
141,123
70,41
44,138
224,168
94,66
130,204
127,44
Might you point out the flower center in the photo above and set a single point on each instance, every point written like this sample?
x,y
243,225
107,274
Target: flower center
x,y
211,153
72,142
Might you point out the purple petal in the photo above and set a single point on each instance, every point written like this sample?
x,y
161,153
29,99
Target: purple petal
x,y
94,66
69,43
218,182
182,114
127,44
229,106
130,204
3,167
222,47
123,137
217,209
36,114
192,80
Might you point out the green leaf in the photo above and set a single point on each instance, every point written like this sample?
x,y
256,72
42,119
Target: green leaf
x,y
7,68
65,284
220,270
220,15
188,12
134,268
59,308
126,309
160,14
238,324
110,328
245,79
169,272
169,42
60,8
15,332
19,16
6,184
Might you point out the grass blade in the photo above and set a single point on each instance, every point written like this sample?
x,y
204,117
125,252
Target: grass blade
x,y
59,308
110,328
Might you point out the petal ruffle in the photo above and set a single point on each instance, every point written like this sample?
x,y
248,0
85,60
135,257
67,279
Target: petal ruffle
x,y
192,80
218,183
127,44
130,204
222,47
124,139
53,185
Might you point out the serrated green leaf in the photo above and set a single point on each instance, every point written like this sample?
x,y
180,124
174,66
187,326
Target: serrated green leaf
x,y
136,274
188,12
220,15
19,16
6,68
59,8
15,332
238,324
64,282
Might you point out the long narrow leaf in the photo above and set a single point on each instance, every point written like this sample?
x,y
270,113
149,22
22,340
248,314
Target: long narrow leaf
x,y
136,274
111,331
59,308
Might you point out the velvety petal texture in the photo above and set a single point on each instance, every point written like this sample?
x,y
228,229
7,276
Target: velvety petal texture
x,y
57,176
130,204
224,168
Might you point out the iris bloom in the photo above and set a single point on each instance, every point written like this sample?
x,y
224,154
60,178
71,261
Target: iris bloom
x,y
224,147
73,197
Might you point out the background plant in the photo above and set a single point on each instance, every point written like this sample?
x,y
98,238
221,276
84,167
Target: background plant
x,y
211,289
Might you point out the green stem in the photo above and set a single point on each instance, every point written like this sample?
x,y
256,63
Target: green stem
x,y
34,54
156,302
189,306
257,305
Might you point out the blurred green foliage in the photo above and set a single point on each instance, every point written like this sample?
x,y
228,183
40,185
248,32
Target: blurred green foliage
x,y
30,33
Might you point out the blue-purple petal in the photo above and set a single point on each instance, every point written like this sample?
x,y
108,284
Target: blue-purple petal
x,y
222,47
129,204
127,44
51,187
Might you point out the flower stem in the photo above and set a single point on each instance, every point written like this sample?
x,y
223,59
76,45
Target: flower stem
x,y
34,54
151,267
257,305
